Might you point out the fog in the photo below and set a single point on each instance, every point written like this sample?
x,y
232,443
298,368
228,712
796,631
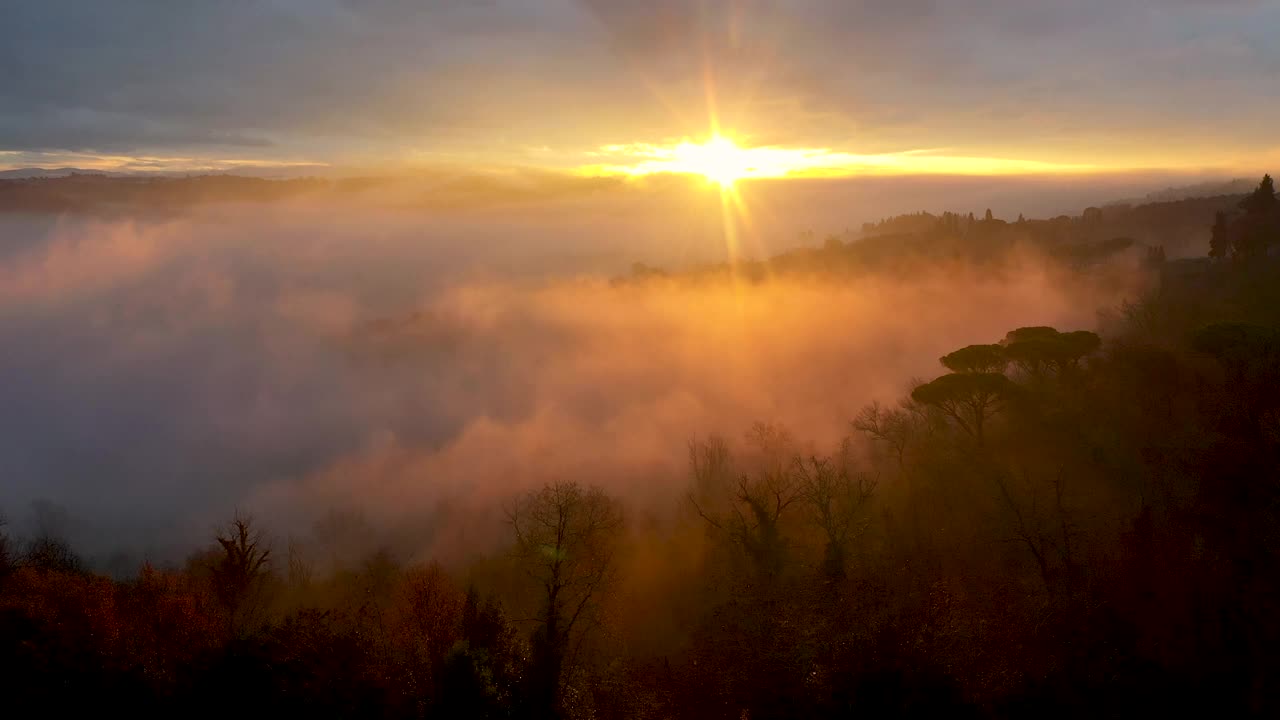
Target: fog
x,y
418,369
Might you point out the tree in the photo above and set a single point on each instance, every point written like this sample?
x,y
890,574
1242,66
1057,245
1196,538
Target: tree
x,y
894,429
477,676
968,398
1249,353
752,640
1074,346
467,688
1262,201
1037,349
1253,234
300,568
239,574
1220,239
1043,528
565,540
1033,332
6,553
48,552
747,509
835,499
429,619
976,359
1236,341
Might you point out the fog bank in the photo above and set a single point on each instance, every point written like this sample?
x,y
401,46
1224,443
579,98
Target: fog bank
x,y
289,361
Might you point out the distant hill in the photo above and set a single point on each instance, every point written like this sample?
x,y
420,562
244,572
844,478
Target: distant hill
x,y
1213,188
35,172
1180,227
268,172
77,192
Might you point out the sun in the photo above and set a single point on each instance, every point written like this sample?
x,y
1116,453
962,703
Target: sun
x,y
719,159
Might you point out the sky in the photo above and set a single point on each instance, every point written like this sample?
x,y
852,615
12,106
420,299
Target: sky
x,y
914,86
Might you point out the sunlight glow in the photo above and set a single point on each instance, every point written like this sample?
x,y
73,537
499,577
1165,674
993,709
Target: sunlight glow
x,y
718,159
724,161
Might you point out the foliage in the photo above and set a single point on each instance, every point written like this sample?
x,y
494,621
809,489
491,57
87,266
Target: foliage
x,y
968,398
1037,350
976,359
1254,232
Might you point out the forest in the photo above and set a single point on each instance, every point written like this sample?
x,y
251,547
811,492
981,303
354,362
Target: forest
x,y
1059,522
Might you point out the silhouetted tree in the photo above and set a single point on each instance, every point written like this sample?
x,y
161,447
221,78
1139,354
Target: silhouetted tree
x,y
894,429
47,552
835,498
1262,201
969,398
300,568
747,508
467,687
565,538
1076,345
976,359
1253,234
1220,239
491,644
6,551
1043,526
1038,349
238,573
1250,355
1249,238
429,621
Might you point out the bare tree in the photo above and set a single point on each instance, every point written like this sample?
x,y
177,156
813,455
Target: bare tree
x,y
835,497
565,540
239,574
748,509
1045,529
301,568
893,429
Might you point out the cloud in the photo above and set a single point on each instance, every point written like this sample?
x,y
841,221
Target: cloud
x,y
357,82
